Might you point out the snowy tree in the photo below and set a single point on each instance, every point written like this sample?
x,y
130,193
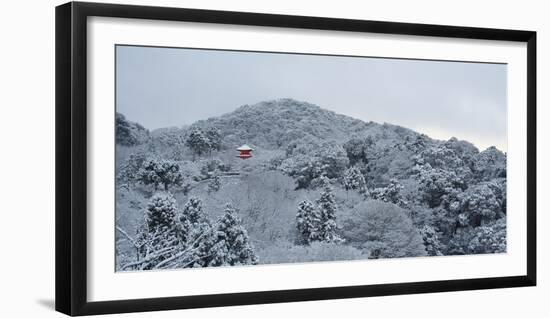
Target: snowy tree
x,y
214,139
129,133
327,214
439,156
490,164
191,215
212,167
214,184
123,131
169,137
160,172
161,212
416,143
201,241
309,162
197,233
382,230
202,141
157,238
357,149
461,212
169,240
480,204
333,160
436,183
154,248
354,180
501,193
232,245
392,193
431,241
453,156
303,168
308,223
489,238
128,171
198,142
465,150
169,143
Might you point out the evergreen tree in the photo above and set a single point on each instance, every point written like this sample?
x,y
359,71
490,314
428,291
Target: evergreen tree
x,y
197,233
128,133
481,203
327,213
214,184
354,180
431,241
201,241
128,171
437,184
160,172
161,212
490,164
191,217
232,246
158,239
198,142
308,163
308,223
357,149
488,238
214,139
391,193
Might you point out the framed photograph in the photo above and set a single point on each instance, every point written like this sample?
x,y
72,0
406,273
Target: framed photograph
x,y
214,158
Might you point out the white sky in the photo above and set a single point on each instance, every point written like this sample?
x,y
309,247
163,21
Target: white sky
x,y
162,87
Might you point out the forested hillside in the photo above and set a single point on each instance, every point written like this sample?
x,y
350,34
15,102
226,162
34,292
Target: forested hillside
x,y
320,186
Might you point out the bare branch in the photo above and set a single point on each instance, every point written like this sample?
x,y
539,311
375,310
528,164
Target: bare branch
x,y
128,237
150,257
187,250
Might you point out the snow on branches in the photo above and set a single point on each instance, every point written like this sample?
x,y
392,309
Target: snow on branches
x,y
318,222
158,172
172,239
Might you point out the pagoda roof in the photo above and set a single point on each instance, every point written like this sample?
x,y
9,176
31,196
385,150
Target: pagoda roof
x,y
244,147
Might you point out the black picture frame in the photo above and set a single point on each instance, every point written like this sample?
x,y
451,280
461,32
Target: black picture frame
x,y
71,157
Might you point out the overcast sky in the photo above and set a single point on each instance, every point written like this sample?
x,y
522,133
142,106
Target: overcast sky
x,y
162,87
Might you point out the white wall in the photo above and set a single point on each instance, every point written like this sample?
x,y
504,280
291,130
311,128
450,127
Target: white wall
x,y
27,158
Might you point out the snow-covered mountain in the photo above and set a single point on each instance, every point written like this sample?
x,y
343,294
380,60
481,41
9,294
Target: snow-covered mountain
x,y
395,192
277,123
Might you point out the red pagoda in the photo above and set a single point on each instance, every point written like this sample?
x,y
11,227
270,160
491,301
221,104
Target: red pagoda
x,y
245,152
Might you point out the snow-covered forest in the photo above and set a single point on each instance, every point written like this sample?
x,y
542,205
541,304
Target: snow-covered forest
x,y
320,186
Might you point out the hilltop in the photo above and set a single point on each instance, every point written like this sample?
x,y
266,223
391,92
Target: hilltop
x,y
277,123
